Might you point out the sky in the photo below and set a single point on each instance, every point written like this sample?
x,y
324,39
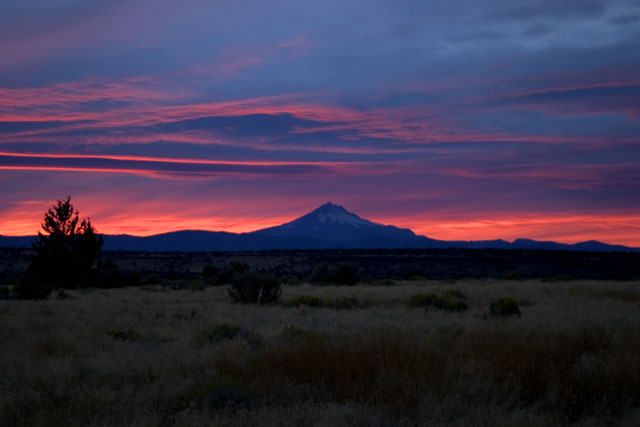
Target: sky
x,y
459,119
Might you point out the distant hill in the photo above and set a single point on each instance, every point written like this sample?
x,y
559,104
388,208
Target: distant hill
x,y
327,227
16,241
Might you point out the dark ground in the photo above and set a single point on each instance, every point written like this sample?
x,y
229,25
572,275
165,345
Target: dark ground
x,y
371,264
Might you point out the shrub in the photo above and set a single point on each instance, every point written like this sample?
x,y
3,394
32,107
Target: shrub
x,y
128,335
152,279
210,271
292,333
29,288
219,332
511,275
61,294
344,302
311,301
215,276
307,300
504,307
436,301
8,275
292,280
414,274
227,393
5,292
449,305
339,274
108,275
454,293
619,294
559,278
184,316
180,284
383,282
252,287
422,300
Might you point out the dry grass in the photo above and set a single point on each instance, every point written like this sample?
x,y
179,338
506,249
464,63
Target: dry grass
x,y
133,357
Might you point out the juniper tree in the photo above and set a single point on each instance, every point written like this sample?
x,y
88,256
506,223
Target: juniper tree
x,y
66,249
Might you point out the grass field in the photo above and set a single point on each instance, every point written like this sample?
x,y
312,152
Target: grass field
x,y
152,356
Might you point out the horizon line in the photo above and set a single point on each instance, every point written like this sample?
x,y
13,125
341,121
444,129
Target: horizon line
x,y
500,226
499,239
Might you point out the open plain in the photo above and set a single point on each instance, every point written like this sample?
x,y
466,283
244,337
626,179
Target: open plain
x,y
354,355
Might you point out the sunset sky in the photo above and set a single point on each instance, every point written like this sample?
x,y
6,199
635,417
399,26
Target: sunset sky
x,y
459,119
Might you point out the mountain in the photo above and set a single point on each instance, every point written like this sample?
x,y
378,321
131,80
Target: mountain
x,y
16,241
334,223
327,227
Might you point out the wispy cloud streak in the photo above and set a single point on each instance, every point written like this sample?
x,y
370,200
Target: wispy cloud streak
x,y
165,167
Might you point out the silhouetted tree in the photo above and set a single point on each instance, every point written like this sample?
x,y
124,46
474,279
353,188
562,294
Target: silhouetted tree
x,y
67,250
250,287
341,274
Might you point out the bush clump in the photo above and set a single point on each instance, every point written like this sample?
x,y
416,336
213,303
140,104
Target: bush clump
x,y
27,288
559,278
383,282
190,284
227,393
108,275
307,300
215,276
345,302
504,307
5,292
219,332
128,335
449,305
292,333
62,294
422,300
436,301
311,301
511,275
415,274
454,293
254,288
340,274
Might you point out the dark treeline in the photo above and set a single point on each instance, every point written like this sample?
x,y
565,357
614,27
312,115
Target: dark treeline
x,y
296,266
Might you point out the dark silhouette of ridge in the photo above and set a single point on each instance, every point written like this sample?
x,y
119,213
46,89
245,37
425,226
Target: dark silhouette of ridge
x,y
329,226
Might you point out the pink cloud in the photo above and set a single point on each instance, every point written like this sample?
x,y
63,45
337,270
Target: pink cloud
x,y
182,168
568,176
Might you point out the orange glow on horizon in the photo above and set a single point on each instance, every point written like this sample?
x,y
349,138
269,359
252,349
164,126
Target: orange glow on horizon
x,y
622,229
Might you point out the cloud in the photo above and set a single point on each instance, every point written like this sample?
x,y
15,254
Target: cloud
x,y
626,19
163,167
436,109
583,100
527,10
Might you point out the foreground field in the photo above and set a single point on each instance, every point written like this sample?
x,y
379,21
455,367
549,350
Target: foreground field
x,y
152,356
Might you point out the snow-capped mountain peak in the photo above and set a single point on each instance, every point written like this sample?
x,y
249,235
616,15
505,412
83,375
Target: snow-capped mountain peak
x,y
336,214
334,222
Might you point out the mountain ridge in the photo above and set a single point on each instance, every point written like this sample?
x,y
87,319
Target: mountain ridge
x,y
329,226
